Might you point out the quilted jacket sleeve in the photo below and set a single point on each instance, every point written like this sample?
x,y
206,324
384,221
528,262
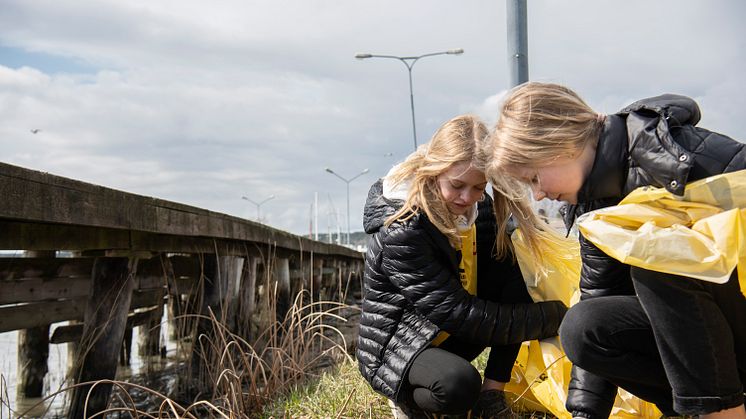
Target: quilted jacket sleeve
x,y
601,274
423,273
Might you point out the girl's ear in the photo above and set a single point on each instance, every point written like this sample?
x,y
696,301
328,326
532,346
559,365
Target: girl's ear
x,y
588,156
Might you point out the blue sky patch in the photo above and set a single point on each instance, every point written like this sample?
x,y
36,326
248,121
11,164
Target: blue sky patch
x,y
47,63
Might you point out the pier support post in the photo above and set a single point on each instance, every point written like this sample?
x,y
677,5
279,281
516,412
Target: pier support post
x,y
150,332
231,269
125,351
214,290
316,277
33,350
247,298
103,332
282,276
176,307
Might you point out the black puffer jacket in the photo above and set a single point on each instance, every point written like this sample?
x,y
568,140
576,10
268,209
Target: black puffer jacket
x,y
653,142
412,291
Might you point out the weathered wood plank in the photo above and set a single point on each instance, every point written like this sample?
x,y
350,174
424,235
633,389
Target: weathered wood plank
x,y
73,332
103,332
26,316
215,289
39,314
47,267
150,332
39,236
146,298
36,197
35,290
33,351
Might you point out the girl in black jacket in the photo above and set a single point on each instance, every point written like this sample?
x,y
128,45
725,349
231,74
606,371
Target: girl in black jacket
x,y
435,294
678,342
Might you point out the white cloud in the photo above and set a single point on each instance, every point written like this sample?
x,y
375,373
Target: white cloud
x,y
202,104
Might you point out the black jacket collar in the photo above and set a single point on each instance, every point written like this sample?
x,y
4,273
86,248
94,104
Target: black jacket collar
x,y
605,183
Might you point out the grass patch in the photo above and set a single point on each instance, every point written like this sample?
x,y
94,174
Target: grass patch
x,y
339,392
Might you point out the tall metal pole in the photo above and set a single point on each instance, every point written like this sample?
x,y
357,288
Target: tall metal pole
x,y
347,181
316,216
258,204
411,104
348,211
409,62
517,42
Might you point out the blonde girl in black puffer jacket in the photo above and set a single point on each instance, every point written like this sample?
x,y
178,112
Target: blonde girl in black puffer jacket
x,y
676,341
436,294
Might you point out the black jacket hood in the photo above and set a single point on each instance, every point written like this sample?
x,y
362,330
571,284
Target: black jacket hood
x,y
377,208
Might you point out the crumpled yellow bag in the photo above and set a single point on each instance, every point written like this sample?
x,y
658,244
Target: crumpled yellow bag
x,y
701,235
541,373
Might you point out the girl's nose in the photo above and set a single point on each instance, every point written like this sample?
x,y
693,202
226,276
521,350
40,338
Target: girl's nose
x,y
538,194
471,197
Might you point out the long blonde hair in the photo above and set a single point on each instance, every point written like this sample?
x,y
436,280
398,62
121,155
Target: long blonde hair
x,y
538,123
462,139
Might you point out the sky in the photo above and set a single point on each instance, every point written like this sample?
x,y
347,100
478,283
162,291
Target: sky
x,y
204,103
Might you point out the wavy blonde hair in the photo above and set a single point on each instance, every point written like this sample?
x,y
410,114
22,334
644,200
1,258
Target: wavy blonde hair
x,y
462,139
538,123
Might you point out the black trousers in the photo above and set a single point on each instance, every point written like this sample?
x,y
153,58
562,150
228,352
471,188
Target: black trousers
x,y
679,343
442,380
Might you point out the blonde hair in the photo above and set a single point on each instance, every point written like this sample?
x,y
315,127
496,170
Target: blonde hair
x,y
462,139
538,123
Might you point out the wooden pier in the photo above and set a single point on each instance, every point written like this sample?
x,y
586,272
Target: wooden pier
x,y
108,261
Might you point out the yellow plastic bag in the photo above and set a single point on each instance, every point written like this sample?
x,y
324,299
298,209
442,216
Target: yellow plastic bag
x,y
701,235
541,374
559,279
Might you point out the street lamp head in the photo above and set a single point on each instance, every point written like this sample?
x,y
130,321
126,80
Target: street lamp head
x,y
271,197
455,51
364,171
329,170
363,56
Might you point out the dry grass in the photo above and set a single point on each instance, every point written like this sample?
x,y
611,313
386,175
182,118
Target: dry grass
x,y
294,367
245,377
340,392
242,377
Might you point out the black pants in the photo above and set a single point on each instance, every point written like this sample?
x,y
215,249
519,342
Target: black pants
x,y
442,380
679,343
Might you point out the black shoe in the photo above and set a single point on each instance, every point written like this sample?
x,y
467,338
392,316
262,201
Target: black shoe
x,y
492,405
402,411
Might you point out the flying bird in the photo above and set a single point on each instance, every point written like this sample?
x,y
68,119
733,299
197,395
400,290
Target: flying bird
x,y
35,131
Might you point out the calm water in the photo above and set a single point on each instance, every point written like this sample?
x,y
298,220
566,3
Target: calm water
x,y
58,362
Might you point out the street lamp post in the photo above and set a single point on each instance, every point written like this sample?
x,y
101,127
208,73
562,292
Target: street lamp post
x,y
347,181
409,62
258,204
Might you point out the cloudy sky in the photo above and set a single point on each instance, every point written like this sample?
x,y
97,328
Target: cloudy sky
x,y
205,102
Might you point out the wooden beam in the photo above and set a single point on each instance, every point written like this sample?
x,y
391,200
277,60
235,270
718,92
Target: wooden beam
x,y
146,298
42,236
33,351
215,288
73,332
39,314
50,267
150,332
103,333
24,316
35,290
42,199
